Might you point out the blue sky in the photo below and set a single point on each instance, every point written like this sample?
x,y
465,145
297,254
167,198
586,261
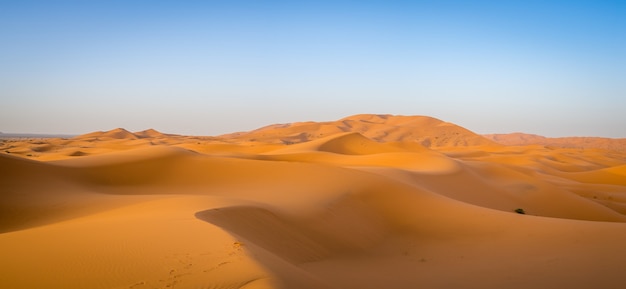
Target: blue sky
x,y
555,68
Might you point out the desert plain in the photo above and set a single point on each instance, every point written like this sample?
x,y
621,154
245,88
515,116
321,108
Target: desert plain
x,y
368,201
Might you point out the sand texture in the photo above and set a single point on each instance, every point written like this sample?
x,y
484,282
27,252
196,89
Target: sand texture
x,y
369,201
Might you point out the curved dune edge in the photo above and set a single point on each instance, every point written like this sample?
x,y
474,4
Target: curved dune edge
x,y
372,234
349,143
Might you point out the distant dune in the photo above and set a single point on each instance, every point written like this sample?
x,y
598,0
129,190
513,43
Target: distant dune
x,y
562,142
368,201
120,133
149,133
424,130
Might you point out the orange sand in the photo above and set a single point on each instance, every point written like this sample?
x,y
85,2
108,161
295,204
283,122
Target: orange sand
x,y
368,201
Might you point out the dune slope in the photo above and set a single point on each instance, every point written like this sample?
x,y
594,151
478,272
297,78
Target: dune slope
x,y
428,131
566,142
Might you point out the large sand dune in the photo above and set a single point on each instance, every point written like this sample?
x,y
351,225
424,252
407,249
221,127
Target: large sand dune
x,y
368,201
425,130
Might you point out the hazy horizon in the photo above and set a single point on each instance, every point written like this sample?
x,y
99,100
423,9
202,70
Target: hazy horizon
x,y
552,68
62,135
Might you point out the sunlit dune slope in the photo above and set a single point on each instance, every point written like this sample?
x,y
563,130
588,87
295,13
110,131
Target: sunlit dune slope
x,y
369,201
149,133
350,143
118,133
424,130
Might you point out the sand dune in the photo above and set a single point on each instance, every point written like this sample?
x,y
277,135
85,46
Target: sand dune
x,y
564,142
149,133
350,143
118,133
369,201
424,130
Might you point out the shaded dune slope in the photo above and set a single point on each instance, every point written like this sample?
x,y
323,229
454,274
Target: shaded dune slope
x,y
396,228
35,194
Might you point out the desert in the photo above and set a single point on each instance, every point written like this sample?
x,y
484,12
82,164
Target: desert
x,y
367,201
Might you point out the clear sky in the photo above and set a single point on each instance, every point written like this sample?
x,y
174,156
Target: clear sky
x,y
555,68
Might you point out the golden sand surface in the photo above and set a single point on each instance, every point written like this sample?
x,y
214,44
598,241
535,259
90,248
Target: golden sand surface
x,y
369,201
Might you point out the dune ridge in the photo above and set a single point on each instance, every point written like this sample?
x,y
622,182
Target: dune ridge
x,y
424,130
120,133
563,142
368,201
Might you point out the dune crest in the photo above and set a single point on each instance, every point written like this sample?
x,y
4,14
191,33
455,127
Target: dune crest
x,y
367,201
349,143
149,133
563,142
424,130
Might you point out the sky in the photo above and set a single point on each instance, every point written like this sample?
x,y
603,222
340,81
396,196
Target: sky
x,y
554,68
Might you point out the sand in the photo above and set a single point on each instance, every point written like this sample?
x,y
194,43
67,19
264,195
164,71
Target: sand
x,y
363,202
564,142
